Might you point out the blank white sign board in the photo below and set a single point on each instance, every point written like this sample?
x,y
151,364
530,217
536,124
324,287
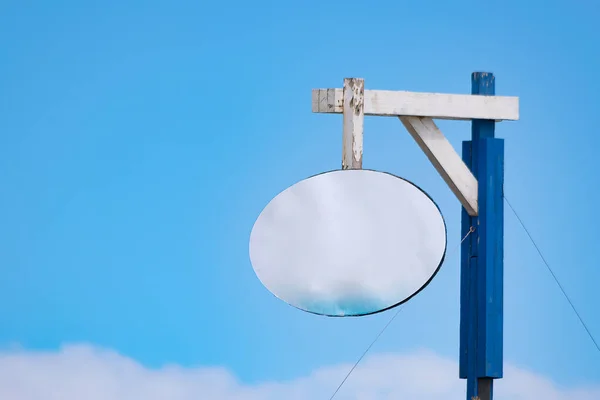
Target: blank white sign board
x,y
348,243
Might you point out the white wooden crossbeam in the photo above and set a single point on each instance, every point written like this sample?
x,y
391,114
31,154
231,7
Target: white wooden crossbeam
x,y
432,105
445,160
416,112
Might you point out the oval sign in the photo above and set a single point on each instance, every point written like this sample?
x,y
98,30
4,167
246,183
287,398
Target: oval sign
x,y
348,243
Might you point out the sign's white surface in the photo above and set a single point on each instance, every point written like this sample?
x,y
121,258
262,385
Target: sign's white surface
x,y
348,243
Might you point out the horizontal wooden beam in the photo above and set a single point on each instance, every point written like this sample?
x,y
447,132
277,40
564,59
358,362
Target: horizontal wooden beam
x,y
446,161
431,105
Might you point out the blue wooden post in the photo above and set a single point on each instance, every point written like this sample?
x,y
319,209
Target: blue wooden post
x,y
482,255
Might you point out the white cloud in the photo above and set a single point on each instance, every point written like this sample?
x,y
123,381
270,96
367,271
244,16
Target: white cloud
x,y
85,372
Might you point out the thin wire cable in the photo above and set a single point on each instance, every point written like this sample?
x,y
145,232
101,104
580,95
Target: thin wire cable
x,y
365,353
554,276
471,230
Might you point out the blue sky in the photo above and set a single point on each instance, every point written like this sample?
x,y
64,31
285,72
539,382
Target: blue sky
x,y
140,140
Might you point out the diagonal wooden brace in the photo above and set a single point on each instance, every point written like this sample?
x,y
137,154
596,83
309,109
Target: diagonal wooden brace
x,y
445,160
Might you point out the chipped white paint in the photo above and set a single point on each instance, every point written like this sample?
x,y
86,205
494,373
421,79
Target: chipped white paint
x,y
353,121
433,105
445,160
